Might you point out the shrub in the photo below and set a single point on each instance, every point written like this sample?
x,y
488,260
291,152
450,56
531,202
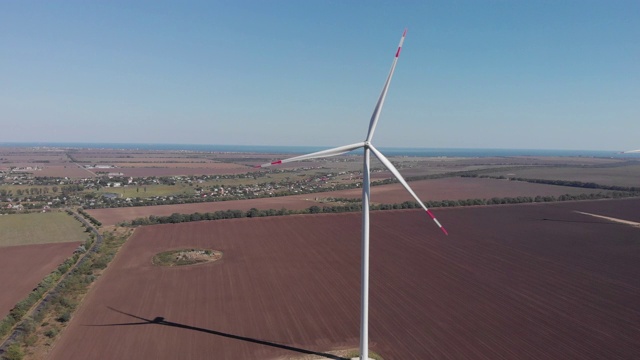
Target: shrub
x,y
6,325
51,333
101,262
14,352
66,303
66,316
27,326
29,341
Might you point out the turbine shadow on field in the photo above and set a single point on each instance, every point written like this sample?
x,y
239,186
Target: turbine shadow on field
x,y
159,320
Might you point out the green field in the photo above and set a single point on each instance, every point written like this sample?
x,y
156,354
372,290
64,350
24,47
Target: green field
x,y
628,175
39,228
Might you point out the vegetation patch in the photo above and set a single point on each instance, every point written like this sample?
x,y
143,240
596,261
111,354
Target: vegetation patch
x,y
185,257
39,228
38,330
93,220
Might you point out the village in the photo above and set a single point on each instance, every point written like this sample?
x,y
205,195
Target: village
x,y
21,191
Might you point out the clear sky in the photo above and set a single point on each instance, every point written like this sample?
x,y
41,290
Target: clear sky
x,y
472,74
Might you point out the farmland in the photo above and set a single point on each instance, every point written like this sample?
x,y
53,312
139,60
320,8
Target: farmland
x,y
31,246
113,216
620,175
83,163
22,267
39,228
438,189
458,189
526,281
76,163
37,177
518,281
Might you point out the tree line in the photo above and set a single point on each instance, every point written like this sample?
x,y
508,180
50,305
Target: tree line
x,y
357,206
93,220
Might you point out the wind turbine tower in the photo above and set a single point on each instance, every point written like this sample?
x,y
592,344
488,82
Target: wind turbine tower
x,y
366,182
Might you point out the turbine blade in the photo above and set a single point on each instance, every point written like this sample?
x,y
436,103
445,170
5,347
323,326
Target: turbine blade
x,y
396,173
383,95
320,154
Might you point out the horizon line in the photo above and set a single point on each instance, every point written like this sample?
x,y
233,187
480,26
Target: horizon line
x,y
113,145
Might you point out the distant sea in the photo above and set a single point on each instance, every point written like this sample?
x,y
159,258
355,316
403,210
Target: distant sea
x,y
389,151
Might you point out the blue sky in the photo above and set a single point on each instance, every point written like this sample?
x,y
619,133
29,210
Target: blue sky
x,y
473,74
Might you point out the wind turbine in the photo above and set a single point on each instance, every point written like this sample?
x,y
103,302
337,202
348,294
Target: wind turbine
x,y
368,149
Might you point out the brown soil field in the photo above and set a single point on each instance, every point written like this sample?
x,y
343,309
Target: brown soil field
x,y
510,282
135,163
197,165
438,189
615,209
171,171
458,188
534,160
106,154
26,155
112,216
148,162
419,166
23,267
70,170
622,175
180,157
150,158
462,163
116,155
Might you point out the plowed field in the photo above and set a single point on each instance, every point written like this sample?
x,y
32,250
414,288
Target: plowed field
x,y
178,170
439,189
112,216
459,188
510,282
23,267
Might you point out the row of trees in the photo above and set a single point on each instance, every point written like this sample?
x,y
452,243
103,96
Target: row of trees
x,y
356,206
29,191
87,216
